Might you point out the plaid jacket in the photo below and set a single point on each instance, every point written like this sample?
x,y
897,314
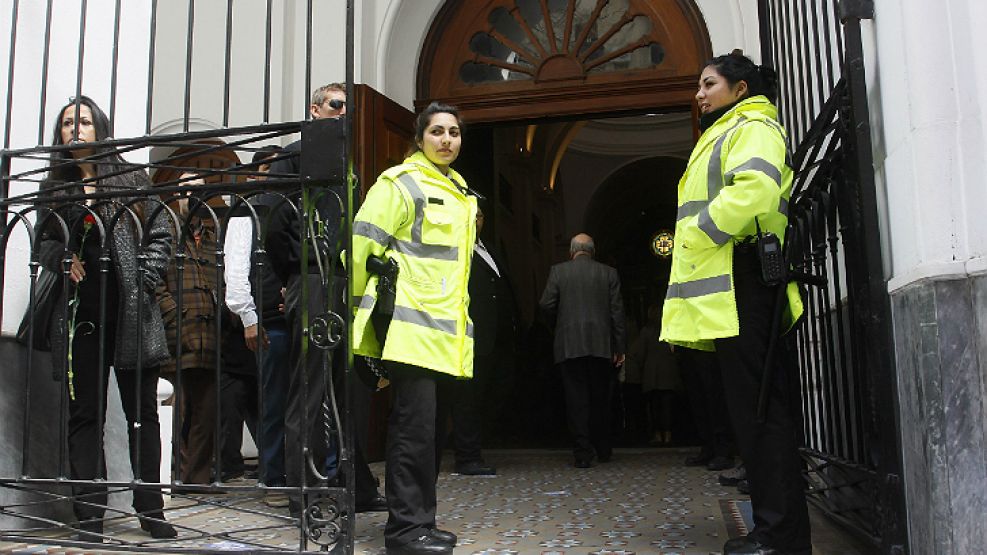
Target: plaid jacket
x,y
199,293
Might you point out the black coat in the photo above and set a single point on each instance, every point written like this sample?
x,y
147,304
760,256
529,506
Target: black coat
x,y
582,299
132,284
491,306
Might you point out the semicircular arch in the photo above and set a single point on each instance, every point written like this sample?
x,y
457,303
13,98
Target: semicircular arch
x,y
503,60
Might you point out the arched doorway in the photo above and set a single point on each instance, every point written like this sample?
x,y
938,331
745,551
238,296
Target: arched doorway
x,y
534,79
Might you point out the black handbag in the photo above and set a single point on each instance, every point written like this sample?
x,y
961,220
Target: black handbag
x,y
46,291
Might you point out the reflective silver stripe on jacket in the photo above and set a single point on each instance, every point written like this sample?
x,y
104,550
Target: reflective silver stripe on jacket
x,y
699,287
373,232
421,250
419,198
714,170
690,208
424,319
367,302
710,228
755,164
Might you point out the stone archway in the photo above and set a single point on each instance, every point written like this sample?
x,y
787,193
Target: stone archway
x,y
509,60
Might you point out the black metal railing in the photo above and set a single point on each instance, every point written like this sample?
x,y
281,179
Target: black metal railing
x,y
842,346
66,211
44,219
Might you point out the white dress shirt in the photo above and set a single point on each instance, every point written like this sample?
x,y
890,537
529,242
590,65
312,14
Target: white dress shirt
x,y
239,297
481,250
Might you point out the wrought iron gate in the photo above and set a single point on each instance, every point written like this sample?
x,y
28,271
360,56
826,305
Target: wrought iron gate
x,y
843,345
80,198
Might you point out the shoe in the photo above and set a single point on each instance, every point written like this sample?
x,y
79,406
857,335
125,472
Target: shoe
x,y
698,460
582,463
276,500
426,544
475,468
744,487
720,463
377,504
746,546
90,530
155,525
733,476
444,536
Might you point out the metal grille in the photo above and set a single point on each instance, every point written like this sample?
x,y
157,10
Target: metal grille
x,y
842,346
39,210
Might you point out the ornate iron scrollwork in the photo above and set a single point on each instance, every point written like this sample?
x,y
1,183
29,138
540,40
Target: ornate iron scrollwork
x,y
323,522
326,330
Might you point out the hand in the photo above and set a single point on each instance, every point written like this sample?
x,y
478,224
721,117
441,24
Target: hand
x,y
618,359
281,304
77,272
254,335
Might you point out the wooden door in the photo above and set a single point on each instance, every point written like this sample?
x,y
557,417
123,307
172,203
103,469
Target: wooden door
x,y
383,132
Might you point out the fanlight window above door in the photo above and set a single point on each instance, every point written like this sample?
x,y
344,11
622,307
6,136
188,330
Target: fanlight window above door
x,y
551,40
518,59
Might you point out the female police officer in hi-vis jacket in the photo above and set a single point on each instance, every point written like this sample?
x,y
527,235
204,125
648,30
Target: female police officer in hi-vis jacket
x,y
420,215
736,186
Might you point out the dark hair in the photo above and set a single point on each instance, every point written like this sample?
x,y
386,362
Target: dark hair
x,y
735,67
61,170
425,118
269,151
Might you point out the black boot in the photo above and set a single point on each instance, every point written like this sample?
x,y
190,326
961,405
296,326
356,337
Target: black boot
x,y
154,524
90,530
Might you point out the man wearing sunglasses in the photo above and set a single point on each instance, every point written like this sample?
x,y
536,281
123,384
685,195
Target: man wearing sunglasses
x,y
283,245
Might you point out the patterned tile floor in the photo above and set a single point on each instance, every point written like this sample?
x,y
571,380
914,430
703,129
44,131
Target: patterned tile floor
x,y
643,501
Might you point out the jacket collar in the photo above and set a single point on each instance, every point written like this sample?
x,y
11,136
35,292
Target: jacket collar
x,y
419,160
755,107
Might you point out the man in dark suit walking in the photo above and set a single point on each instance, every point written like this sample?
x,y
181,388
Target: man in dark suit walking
x,y
582,298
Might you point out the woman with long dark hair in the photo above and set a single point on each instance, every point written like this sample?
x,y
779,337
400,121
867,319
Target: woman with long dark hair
x,y
114,328
732,215
420,219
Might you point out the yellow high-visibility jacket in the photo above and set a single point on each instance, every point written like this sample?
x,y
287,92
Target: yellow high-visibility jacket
x,y
739,170
425,221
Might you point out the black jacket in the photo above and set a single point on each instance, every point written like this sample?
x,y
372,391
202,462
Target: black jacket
x,y
491,307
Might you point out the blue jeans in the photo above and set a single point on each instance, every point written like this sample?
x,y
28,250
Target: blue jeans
x,y
274,380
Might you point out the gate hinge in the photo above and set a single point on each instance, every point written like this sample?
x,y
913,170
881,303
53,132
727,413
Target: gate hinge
x,y
856,9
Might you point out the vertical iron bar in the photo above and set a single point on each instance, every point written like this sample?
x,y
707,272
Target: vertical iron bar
x,y
10,76
828,36
820,53
114,68
104,266
764,31
873,295
150,64
78,69
228,62
29,368
798,96
349,378
786,67
46,56
806,70
188,64
840,45
267,64
63,389
308,57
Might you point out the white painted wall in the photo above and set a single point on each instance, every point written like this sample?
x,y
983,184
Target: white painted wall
x,y
931,96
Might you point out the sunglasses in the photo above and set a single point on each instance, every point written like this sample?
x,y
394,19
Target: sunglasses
x,y
337,104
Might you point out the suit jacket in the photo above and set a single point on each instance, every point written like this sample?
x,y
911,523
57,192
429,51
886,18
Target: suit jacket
x,y
491,306
582,299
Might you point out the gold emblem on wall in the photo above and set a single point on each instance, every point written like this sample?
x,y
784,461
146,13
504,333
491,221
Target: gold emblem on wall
x,y
661,243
